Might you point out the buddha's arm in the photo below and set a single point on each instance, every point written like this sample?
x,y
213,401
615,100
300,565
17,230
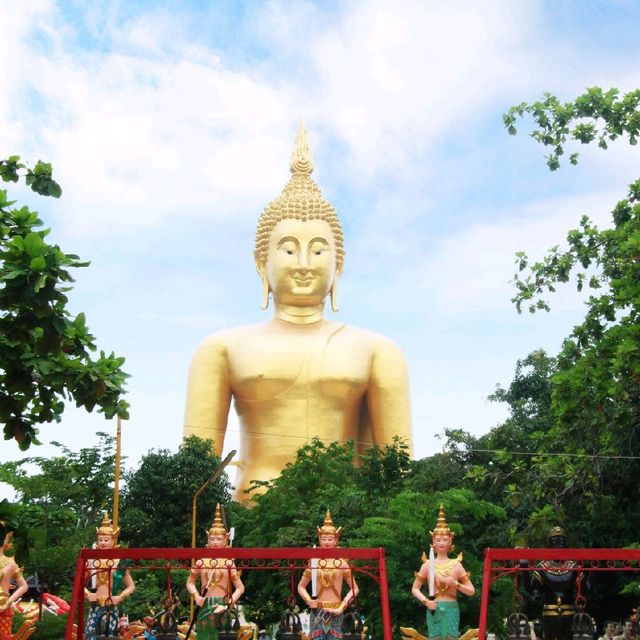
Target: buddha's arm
x,y
208,393
388,395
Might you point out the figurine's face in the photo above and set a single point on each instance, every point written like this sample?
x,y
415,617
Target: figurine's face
x,y
328,541
217,540
441,543
557,542
105,541
7,543
611,629
301,262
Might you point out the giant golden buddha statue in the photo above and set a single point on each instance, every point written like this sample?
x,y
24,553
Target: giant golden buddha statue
x,y
297,376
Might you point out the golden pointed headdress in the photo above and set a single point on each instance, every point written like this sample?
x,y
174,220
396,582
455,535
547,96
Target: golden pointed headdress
x,y
328,527
557,532
106,529
442,528
217,526
300,199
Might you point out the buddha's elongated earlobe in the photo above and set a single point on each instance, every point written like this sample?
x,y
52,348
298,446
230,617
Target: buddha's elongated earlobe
x,y
265,294
334,296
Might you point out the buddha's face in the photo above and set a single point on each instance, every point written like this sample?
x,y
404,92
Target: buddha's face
x,y
301,262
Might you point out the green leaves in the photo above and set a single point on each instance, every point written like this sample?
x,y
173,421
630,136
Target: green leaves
x,y
595,399
44,351
611,117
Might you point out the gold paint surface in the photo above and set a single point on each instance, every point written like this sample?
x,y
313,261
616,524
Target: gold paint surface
x,y
298,375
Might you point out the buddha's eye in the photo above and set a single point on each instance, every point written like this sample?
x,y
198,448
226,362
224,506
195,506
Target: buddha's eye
x,y
290,252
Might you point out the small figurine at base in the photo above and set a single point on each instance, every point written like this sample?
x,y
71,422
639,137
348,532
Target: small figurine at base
x,y
445,578
109,577
217,575
327,609
9,571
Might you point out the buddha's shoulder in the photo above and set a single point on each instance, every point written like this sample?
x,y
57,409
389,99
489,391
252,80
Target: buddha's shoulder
x,y
375,341
226,338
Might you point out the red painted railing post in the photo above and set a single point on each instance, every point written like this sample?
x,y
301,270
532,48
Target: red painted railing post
x,y
77,601
384,595
484,601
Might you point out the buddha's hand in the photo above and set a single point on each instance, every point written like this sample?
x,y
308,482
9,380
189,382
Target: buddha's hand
x,y
312,604
221,608
115,600
431,604
199,600
91,597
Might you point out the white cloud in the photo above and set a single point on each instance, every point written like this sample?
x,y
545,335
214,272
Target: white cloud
x,y
472,269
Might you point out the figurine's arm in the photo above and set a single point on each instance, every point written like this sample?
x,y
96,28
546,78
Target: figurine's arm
x,y
388,395
239,586
463,581
208,393
192,587
129,588
302,590
416,589
21,587
353,592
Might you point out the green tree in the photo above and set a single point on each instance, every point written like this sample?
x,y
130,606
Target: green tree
x,y
156,503
596,389
62,500
44,350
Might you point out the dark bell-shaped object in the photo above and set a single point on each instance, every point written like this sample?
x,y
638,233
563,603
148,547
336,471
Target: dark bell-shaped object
x,y
352,627
518,627
582,626
290,627
229,625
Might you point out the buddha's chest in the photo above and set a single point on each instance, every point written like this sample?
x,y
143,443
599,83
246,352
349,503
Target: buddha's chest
x,y
319,364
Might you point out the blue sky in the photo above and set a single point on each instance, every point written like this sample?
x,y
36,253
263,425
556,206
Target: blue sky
x,y
170,124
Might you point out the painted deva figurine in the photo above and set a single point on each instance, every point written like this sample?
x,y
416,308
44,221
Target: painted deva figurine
x,y
327,578
112,582
9,571
444,580
217,576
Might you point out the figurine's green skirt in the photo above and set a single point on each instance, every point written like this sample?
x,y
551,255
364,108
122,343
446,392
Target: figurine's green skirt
x,y
208,625
444,622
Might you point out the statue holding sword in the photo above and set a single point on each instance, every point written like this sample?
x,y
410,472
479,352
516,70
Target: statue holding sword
x,y
327,577
445,577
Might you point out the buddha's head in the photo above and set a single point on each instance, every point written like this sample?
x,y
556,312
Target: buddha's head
x,y
299,250
217,535
106,535
442,536
328,535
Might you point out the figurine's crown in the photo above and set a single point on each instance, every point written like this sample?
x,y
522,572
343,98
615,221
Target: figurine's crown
x,y
328,527
217,526
557,532
442,528
106,528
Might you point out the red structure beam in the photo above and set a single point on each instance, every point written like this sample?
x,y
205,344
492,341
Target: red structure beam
x,y
247,558
499,563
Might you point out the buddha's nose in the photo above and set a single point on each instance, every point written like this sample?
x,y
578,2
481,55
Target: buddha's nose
x,y
303,260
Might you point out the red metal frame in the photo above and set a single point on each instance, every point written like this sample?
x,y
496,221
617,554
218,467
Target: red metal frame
x,y
500,563
371,562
